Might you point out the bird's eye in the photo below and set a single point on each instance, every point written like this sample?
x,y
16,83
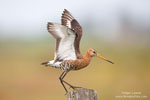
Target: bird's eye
x,y
94,52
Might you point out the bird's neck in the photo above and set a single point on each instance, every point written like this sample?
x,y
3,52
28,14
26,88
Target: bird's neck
x,y
85,61
87,57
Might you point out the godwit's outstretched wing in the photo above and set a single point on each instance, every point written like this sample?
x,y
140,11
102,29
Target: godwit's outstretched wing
x,y
67,37
69,21
64,41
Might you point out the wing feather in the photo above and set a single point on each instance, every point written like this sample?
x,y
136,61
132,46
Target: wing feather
x,y
78,30
69,21
66,18
64,42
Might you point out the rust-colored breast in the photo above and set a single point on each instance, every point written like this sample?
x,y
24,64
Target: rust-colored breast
x,y
80,63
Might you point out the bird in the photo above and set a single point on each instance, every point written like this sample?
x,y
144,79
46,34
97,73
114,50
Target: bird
x,y
67,56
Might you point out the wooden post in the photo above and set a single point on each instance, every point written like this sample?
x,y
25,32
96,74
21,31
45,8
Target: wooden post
x,y
82,94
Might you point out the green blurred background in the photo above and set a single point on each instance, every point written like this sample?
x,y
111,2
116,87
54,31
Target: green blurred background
x,y
118,30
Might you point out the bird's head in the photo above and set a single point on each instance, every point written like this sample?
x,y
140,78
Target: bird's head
x,y
93,52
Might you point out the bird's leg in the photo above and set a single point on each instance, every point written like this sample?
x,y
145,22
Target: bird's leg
x,y
61,80
73,87
65,81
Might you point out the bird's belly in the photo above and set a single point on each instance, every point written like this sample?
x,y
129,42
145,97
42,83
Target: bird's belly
x,y
79,67
68,65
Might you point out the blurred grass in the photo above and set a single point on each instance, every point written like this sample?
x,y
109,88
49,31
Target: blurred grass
x,y
23,78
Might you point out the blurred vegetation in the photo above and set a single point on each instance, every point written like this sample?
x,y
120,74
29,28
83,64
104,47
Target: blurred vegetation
x,y
23,78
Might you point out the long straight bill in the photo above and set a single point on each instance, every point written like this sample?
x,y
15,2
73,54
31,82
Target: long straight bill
x,y
101,57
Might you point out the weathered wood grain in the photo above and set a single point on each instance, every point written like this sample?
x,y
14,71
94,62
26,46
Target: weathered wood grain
x,y
82,94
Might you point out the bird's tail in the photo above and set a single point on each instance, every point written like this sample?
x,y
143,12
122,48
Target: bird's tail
x,y
45,63
52,64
